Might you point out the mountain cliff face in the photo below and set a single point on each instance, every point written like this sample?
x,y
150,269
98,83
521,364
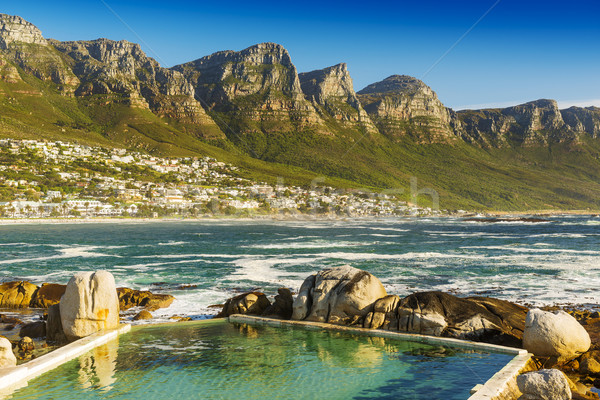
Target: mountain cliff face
x,y
122,71
257,87
22,45
253,101
332,93
402,106
537,123
583,120
14,29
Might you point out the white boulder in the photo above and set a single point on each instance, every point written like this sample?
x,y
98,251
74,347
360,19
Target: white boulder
x,y
545,384
339,295
7,357
90,304
554,334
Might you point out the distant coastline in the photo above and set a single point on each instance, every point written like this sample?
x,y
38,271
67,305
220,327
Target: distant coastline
x,y
298,217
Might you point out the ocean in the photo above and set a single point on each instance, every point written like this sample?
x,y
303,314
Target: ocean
x,y
203,263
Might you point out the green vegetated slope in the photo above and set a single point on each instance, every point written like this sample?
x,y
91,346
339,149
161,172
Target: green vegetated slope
x,y
252,109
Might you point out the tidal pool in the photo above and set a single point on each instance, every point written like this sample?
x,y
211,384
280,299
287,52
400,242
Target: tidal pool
x,y
219,360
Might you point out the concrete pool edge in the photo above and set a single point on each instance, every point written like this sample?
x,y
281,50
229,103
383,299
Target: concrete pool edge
x,y
16,377
500,386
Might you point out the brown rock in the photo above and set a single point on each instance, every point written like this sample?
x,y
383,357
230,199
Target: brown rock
x,y
475,318
48,294
142,315
16,294
253,303
26,345
282,307
129,298
589,366
5,319
34,329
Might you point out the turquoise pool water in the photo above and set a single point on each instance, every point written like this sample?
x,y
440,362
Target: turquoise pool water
x,y
218,360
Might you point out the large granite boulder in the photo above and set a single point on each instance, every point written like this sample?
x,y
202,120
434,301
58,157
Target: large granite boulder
x,y
341,295
384,313
90,304
554,334
545,384
474,318
282,307
7,357
251,303
48,294
16,294
129,298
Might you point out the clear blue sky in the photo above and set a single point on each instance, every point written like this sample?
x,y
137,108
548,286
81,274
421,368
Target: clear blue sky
x,y
521,50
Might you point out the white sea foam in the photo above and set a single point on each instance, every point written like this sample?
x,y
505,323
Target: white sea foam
x,y
380,235
532,250
65,252
388,229
260,269
172,243
305,245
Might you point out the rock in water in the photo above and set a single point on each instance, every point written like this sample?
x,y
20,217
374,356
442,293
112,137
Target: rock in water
x,y
142,298
340,295
545,384
555,334
16,294
253,303
142,315
7,357
90,304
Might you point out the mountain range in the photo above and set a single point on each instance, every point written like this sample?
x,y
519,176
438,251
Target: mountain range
x,y
253,109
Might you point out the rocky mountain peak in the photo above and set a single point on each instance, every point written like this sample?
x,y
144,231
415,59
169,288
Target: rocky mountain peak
x,y
15,29
394,84
260,81
537,118
535,123
320,84
331,88
401,105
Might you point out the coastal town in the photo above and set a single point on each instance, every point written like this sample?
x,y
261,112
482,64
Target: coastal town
x,y
45,179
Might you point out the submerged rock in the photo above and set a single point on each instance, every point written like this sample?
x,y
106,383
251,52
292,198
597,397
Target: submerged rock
x,y
7,357
283,305
90,304
546,384
253,303
16,294
340,295
554,334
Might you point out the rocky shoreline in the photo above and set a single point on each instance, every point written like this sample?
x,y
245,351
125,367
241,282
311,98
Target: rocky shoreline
x,y
567,341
